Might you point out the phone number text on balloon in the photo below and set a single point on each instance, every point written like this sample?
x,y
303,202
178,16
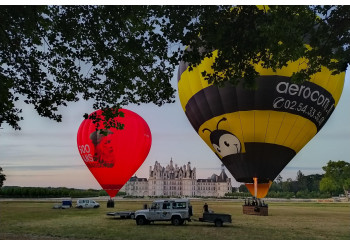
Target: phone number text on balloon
x,y
281,103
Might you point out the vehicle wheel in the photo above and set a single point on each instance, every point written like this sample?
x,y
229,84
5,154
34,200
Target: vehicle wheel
x,y
132,216
80,207
176,221
218,222
141,220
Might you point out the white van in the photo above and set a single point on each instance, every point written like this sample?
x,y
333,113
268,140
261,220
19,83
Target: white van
x,y
87,203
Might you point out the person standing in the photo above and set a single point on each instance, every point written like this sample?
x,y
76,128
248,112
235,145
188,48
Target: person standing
x,y
206,208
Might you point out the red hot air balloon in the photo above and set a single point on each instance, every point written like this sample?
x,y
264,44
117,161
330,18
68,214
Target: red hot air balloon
x,y
115,156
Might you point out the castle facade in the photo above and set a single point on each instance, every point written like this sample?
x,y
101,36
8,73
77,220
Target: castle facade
x,y
175,181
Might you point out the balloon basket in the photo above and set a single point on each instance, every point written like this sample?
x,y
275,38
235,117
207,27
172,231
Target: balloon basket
x,y
256,207
110,203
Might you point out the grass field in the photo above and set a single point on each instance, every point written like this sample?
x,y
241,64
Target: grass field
x,y
311,220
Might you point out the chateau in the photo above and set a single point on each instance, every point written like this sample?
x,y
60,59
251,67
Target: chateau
x,y
173,180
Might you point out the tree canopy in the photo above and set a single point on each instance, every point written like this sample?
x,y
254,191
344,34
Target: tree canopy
x,y
336,179
116,55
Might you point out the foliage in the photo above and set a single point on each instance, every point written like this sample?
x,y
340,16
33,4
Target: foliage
x,y
337,178
305,186
243,188
52,55
2,177
115,55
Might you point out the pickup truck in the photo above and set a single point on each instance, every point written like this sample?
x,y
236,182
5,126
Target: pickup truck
x,y
177,211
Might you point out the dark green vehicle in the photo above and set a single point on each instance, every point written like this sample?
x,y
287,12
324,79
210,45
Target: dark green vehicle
x,y
216,218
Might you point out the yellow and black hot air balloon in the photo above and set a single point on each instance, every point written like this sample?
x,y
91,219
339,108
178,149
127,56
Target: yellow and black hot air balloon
x,y
256,133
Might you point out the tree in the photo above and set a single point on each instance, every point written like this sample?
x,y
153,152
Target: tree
x,y
287,185
243,188
301,181
329,185
52,55
313,182
116,55
336,179
2,177
277,184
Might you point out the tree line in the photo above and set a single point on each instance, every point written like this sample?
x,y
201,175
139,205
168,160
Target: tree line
x,y
304,186
49,192
334,182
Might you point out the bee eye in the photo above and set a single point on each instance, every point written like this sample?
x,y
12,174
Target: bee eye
x,y
227,144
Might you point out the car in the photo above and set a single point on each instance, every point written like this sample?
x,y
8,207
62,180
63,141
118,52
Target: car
x,y
177,211
87,203
65,204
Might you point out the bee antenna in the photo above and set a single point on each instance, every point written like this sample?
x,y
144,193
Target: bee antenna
x,y
222,119
206,129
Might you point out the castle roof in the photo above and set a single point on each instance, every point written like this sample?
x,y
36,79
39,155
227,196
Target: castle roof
x,y
134,178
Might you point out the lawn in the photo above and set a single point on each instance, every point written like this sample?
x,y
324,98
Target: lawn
x,y
311,220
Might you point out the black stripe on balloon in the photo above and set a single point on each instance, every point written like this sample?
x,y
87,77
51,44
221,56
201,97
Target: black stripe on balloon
x,y
262,160
276,93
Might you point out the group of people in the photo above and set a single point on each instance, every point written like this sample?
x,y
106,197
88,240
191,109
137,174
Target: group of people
x,y
255,202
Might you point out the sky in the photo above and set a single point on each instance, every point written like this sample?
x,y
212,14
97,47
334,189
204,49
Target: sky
x,y
44,153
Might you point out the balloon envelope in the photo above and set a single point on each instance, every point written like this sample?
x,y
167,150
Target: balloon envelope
x,y
113,158
256,132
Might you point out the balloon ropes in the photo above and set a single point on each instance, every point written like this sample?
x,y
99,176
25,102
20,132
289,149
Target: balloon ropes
x,y
256,133
113,157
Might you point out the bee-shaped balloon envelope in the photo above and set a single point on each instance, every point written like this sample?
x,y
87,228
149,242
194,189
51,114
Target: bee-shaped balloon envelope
x,y
257,132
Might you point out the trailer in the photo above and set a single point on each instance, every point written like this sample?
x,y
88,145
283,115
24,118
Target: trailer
x,y
122,214
216,218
